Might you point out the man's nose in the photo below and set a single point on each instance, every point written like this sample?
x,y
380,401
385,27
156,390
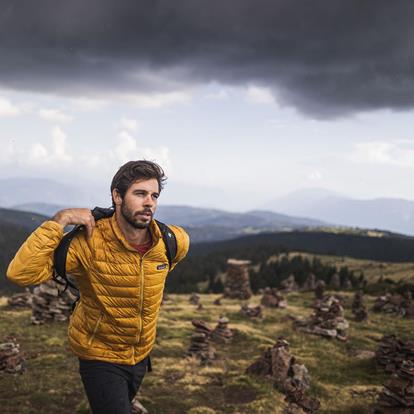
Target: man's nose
x,y
148,201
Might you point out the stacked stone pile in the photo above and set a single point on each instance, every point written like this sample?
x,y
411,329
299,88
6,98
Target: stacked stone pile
x,y
222,332
289,284
310,283
12,360
49,305
21,300
358,307
335,282
194,299
200,346
347,284
395,304
392,351
237,285
287,375
397,396
327,320
251,311
320,289
273,299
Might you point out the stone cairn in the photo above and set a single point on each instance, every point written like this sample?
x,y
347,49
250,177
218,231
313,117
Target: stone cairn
x,y
49,305
222,333
319,289
237,285
392,351
335,282
310,283
287,375
21,300
401,305
397,357
289,284
327,320
397,396
194,299
251,311
273,299
347,284
12,360
200,346
358,307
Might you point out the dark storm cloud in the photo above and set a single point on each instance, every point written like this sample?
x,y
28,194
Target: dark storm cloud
x,y
324,57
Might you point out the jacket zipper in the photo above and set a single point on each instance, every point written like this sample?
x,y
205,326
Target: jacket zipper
x,y
95,329
141,263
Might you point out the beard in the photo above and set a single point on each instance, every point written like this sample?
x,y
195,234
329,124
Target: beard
x,y
134,219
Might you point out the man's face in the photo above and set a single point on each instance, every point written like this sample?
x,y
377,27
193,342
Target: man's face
x,y
139,203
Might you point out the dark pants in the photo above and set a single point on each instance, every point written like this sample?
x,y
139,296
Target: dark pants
x,y
110,388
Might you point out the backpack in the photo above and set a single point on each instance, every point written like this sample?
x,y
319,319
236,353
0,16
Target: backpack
x,y
59,273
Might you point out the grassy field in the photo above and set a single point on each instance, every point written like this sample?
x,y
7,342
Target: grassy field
x,y
343,383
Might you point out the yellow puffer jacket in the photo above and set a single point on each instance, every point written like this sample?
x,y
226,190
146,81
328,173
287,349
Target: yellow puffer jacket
x,y
121,292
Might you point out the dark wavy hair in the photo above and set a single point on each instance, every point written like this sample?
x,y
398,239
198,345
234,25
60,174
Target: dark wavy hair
x,y
136,170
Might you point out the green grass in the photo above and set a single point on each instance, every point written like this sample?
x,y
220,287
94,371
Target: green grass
x,y
343,383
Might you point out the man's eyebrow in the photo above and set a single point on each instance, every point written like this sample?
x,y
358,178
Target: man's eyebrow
x,y
140,190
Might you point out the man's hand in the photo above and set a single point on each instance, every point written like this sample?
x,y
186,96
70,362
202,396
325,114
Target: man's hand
x,y
82,216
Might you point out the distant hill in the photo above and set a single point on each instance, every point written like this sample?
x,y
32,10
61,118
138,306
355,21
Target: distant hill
x,y
23,190
205,224
385,213
15,226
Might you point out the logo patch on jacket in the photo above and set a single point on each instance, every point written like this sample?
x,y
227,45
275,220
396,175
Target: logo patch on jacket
x,y
162,266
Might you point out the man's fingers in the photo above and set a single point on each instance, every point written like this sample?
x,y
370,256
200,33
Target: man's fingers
x,y
90,225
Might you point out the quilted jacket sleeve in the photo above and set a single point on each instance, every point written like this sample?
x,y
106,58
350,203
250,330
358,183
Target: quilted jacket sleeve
x,y
183,244
33,262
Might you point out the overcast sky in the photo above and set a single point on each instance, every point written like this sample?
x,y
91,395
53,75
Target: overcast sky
x,y
246,99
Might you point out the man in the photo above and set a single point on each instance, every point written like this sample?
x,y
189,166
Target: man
x,y
120,265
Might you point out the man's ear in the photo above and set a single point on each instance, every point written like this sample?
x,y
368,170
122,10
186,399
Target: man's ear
x,y
117,197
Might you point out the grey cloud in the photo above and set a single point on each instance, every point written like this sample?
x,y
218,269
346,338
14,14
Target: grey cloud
x,y
326,58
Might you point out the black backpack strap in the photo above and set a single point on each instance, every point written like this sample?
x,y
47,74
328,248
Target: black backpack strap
x,y
59,258
170,241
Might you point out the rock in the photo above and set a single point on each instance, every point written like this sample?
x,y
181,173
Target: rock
x,y
358,307
273,299
49,304
12,360
392,351
397,396
237,284
194,299
289,284
327,320
222,333
21,300
319,289
335,282
200,346
310,283
395,304
288,376
251,311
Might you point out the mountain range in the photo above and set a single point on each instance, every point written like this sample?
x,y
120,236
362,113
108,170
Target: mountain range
x,y
307,207
392,214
